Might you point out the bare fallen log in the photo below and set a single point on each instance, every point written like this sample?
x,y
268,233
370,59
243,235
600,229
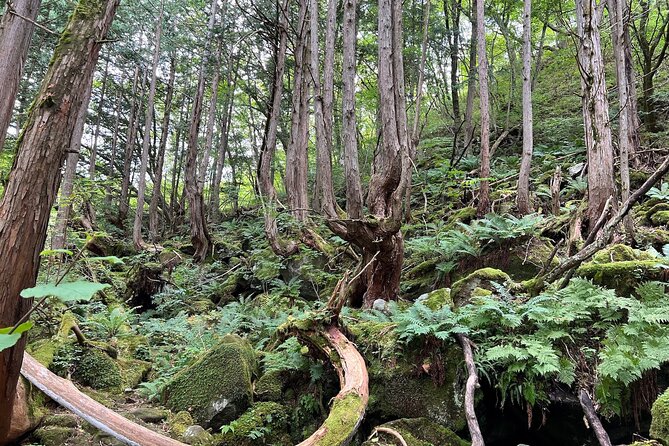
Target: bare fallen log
x,y
593,420
67,395
470,389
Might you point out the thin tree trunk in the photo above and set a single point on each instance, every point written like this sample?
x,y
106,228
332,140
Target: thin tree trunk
x,y
471,84
349,130
15,35
198,225
148,123
33,183
484,190
452,22
523,195
601,179
211,120
96,135
112,157
157,197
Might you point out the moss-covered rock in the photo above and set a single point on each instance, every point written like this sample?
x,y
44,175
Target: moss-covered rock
x,y
270,386
438,299
462,215
625,276
149,414
621,253
44,351
97,370
217,388
53,435
62,420
417,432
660,218
133,372
659,426
263,423
179,422
463,289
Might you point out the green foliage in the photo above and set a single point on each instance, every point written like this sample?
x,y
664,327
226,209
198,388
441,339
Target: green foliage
x,y
9,340
287,356
660,194
66,292
110,323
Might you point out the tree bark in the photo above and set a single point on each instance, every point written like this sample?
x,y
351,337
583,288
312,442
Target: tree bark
x,y
601,180
137,238
33,183
112,157
156,196
484,189
452,22
471,83
523,194
96,135
198,226
15,35
211,120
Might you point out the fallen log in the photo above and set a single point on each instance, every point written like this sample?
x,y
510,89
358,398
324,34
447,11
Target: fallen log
x,y
67,395
470,389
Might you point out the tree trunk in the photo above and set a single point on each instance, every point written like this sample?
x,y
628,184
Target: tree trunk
x,y
349,130
148,123
523,196
211,120
15,35
96,135
133,123
625,137
157,196
484,190
471,84
601,179
112,157
198,225
452,16
33,183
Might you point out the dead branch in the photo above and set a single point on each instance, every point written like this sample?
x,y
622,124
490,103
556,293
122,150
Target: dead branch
x,y
593,420
389,431
470,388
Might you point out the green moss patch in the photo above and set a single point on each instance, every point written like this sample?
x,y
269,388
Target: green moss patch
x,y
659,427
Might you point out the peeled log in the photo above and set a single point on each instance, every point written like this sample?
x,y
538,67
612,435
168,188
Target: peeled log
x,y
67,395
348,409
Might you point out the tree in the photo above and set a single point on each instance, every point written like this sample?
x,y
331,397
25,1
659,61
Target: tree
x,y
523,194
601,180
484,190
33,183
16,30
198,225
148,123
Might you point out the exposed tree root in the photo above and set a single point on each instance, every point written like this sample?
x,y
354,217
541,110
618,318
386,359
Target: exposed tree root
x,y
348,408
67,395
593,420
389,431
470,389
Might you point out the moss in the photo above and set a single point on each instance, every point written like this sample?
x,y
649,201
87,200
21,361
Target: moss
x,y
621,253
263,423
656,237
53,435
133,372
342,422
97,370
61,420
439,298
646,212
462,215
376,339
659,426
462,290
179,422
418,432
67,323
270,386
217,387
625,276
44,351
660,218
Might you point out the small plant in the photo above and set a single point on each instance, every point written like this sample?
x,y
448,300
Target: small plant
x,y
660,194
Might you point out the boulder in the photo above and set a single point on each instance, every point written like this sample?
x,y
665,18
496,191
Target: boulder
x,y
417,432
463,290
217,388
659,426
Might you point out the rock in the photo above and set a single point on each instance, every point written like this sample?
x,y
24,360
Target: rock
x,y
98,371
105,439
463,289
62,420
659,426
417,432
437,299
53,435
575,169
379,305
179,422
217,388
270,386
263,423
196,435
149,414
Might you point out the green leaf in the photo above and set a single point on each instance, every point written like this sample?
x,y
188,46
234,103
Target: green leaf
x,y
66,292
52,252
9,340
109,259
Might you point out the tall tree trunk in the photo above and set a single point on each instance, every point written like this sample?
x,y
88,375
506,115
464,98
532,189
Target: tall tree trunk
x,y
156,196
133,124
297,151
471,83
625,137
601,179
15,35
265,163
523,195
148,123
484,190
349,130
198,225
452,16
211,121
33,183
96,135
111,166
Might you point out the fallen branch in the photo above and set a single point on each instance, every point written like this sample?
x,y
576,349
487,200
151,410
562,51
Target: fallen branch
x,y
389,431
348,409
589,250
470,389
67,395
593,420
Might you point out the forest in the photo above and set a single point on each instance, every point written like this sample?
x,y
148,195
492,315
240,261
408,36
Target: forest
x,y
331,223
